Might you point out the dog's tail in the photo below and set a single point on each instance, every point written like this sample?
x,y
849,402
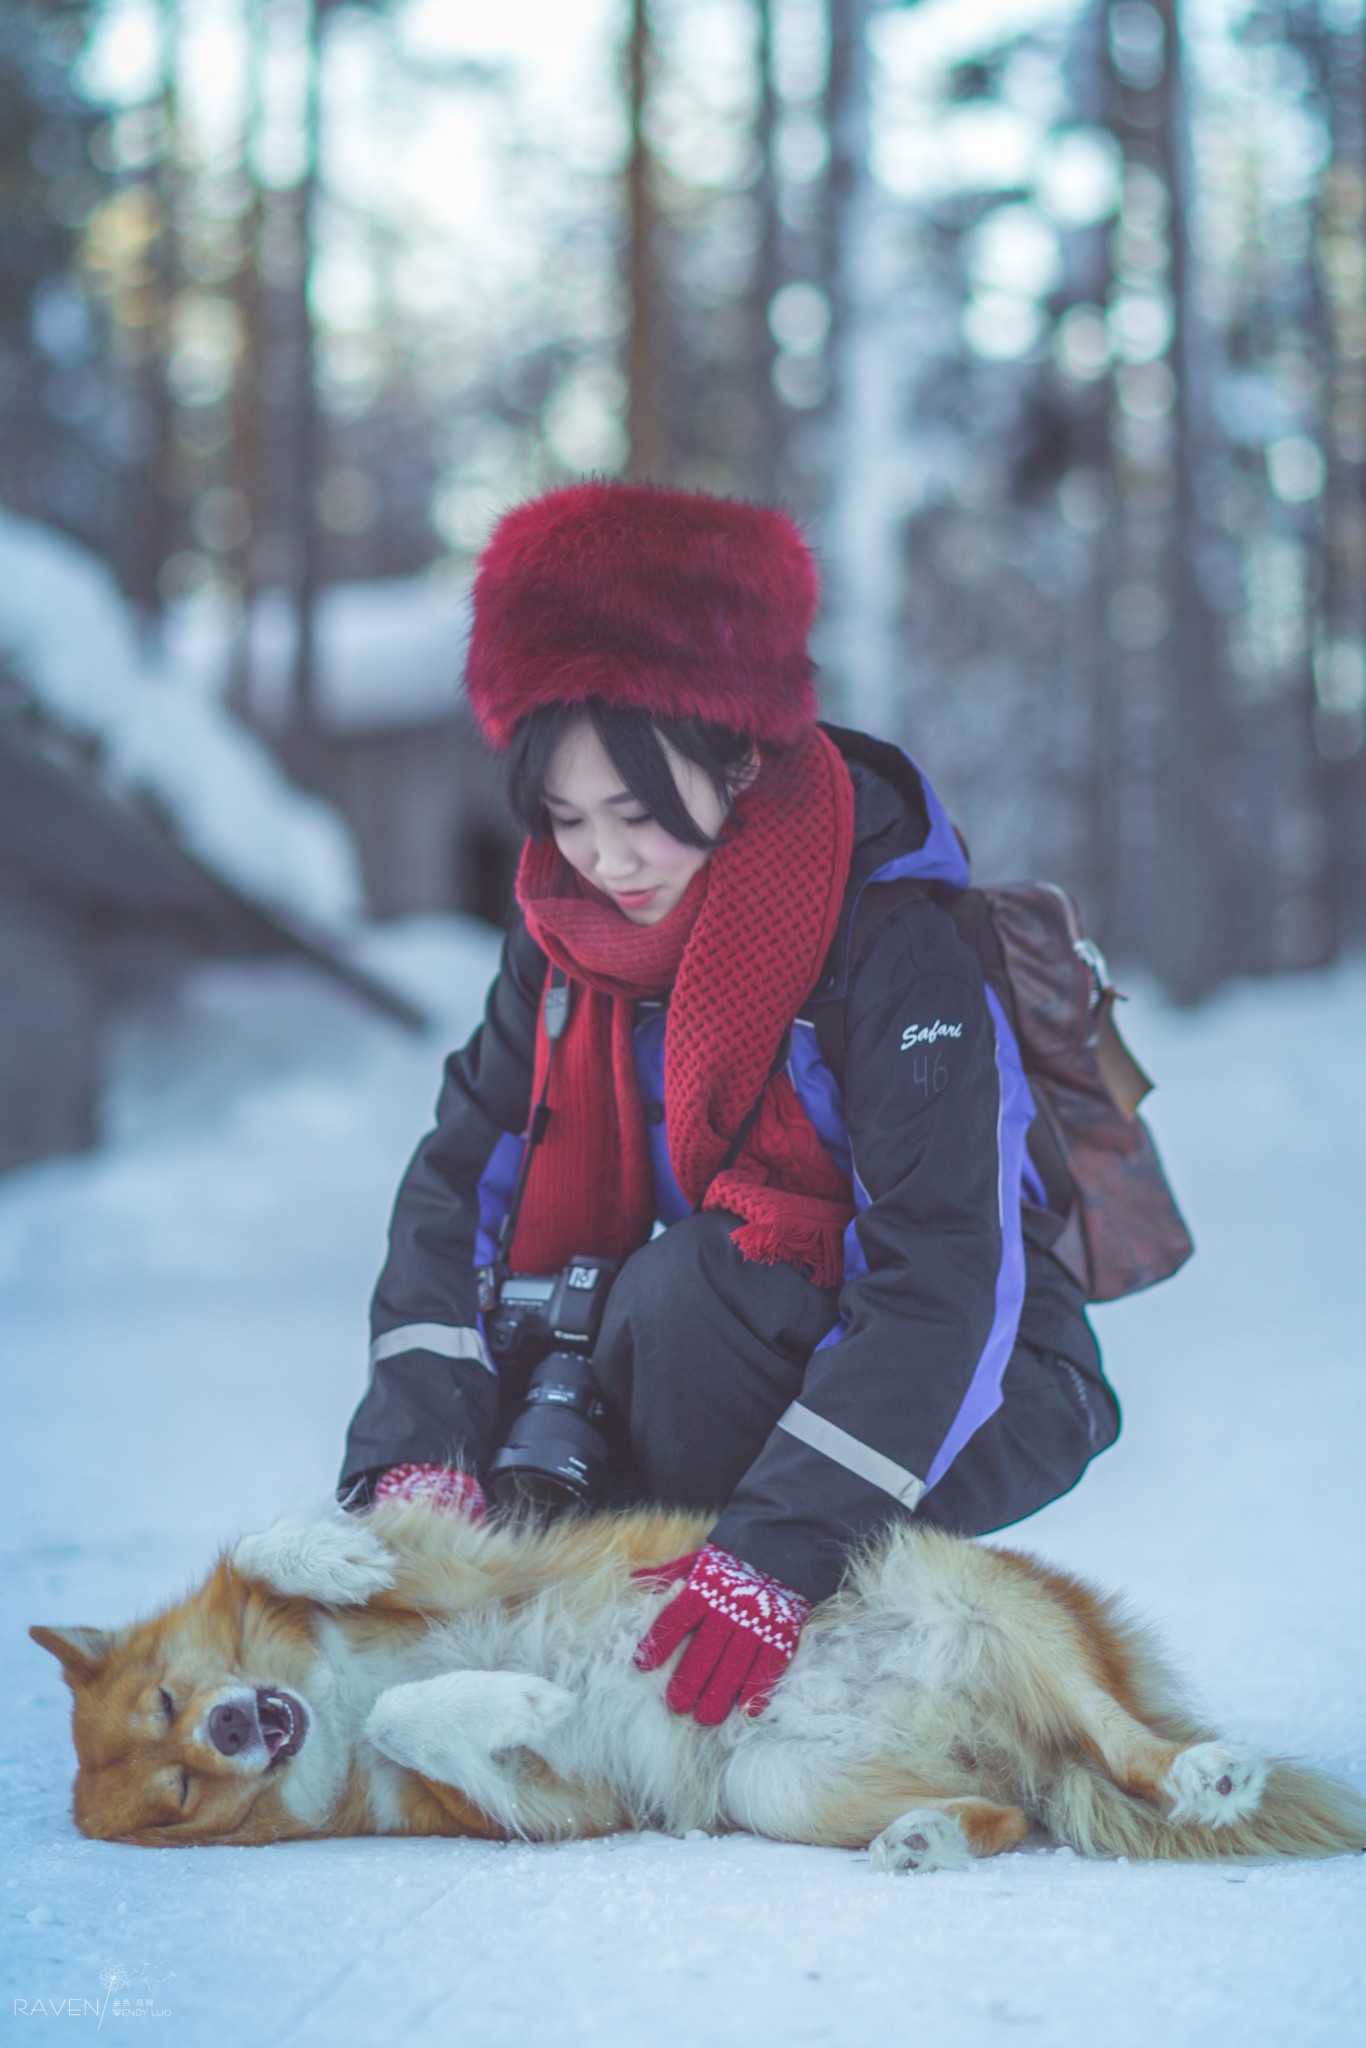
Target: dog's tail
x,y
1301,1812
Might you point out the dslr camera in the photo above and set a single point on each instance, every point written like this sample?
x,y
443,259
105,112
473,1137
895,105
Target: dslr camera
x,y
555,1454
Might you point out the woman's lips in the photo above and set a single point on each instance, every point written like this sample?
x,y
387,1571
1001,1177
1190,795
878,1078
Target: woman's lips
x,y
632,898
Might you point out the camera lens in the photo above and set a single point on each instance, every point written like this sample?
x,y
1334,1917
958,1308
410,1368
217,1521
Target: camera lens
x,y
555,1455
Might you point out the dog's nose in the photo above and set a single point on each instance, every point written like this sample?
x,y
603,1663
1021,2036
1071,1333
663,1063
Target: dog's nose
x,y
230,1729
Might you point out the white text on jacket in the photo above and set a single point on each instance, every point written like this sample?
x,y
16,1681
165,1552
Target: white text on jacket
x,y
926,1034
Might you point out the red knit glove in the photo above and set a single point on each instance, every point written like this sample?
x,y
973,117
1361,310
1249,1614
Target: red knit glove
x,y
747,1628
445,1490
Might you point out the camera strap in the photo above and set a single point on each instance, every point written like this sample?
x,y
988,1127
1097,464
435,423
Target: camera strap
x,y
733,1150
555,1015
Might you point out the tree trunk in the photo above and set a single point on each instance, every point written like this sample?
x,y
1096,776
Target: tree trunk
x,y
864,414
1340,656
765,464
1190,922
306,451
151,525
1159,717
645,458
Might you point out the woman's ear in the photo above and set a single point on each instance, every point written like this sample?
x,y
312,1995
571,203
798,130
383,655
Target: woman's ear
x,y
748,771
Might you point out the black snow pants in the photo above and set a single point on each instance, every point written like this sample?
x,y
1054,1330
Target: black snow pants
x,y
701,1352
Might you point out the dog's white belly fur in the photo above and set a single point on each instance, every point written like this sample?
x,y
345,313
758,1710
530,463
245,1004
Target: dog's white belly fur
x,y
665,1770
834,1708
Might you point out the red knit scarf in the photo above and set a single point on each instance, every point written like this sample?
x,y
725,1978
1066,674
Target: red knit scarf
x,y
740,953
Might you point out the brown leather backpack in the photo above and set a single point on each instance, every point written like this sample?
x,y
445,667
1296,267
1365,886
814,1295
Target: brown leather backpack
x,y
1110,1218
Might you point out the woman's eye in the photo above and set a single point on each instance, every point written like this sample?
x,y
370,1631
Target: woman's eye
x,y
559,825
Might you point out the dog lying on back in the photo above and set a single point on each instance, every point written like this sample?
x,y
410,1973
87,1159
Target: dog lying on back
x,y
410,1673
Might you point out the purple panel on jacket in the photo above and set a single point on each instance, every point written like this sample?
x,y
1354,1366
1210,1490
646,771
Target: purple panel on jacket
x,y
820,1095
647,1044
496,1183
1013,1118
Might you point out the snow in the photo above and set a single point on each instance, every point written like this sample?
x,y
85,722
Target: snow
x,y
184,1318
66,633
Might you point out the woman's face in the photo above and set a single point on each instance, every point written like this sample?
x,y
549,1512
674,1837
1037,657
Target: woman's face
x,y
609,838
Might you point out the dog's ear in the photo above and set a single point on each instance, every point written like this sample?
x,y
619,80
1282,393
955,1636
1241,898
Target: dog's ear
x,y
79,1651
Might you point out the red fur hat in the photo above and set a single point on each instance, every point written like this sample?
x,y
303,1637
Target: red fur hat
x,y
670,602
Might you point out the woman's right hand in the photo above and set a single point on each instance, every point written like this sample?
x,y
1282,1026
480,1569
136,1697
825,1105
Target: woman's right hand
x,y
440,1487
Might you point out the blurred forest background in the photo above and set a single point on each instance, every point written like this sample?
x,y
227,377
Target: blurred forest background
x,y
1047,317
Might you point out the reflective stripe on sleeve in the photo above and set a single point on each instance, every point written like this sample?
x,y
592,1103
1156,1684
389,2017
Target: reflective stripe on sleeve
x,y
837,1444
436,1337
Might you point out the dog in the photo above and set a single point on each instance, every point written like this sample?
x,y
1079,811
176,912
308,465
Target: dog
x,y
409,1672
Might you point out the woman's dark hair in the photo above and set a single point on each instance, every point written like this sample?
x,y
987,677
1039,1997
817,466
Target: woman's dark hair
x,y
630,739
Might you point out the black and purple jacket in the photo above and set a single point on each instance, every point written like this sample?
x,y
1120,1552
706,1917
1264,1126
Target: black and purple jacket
x,y
939,1282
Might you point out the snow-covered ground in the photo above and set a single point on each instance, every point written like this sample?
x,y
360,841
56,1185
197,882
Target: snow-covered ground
x,y
182,1321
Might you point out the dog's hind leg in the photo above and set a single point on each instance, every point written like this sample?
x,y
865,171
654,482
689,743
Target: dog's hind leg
x,y
1095,1688
946,1834
789,1791
1214,1783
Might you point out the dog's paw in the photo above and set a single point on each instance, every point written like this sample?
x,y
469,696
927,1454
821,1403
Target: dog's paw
x,y
330,1557
441,1725
923,1840
1214,1783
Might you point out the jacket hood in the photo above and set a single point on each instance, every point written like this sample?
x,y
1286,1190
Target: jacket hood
x,y
901,831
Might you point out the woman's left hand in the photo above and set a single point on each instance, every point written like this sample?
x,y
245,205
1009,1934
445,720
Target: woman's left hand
x,y
747,1626
442,1488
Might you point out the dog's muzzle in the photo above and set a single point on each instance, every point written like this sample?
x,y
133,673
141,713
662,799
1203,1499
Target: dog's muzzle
x,y
276,1719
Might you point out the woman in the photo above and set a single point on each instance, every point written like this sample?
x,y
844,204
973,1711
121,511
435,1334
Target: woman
x,y
842,1321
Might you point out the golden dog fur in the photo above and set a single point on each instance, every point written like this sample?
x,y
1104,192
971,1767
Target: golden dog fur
x,y
456,1680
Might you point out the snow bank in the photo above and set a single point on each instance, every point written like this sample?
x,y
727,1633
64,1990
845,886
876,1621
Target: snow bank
x,y
67,634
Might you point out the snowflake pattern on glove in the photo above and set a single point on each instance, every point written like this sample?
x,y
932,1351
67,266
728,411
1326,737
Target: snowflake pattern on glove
x,y
744,1625
439,1487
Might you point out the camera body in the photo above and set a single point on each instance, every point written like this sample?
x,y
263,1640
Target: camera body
x,y
555,1453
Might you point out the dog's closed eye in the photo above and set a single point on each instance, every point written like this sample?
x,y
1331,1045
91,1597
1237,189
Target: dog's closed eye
x,y
167,1703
